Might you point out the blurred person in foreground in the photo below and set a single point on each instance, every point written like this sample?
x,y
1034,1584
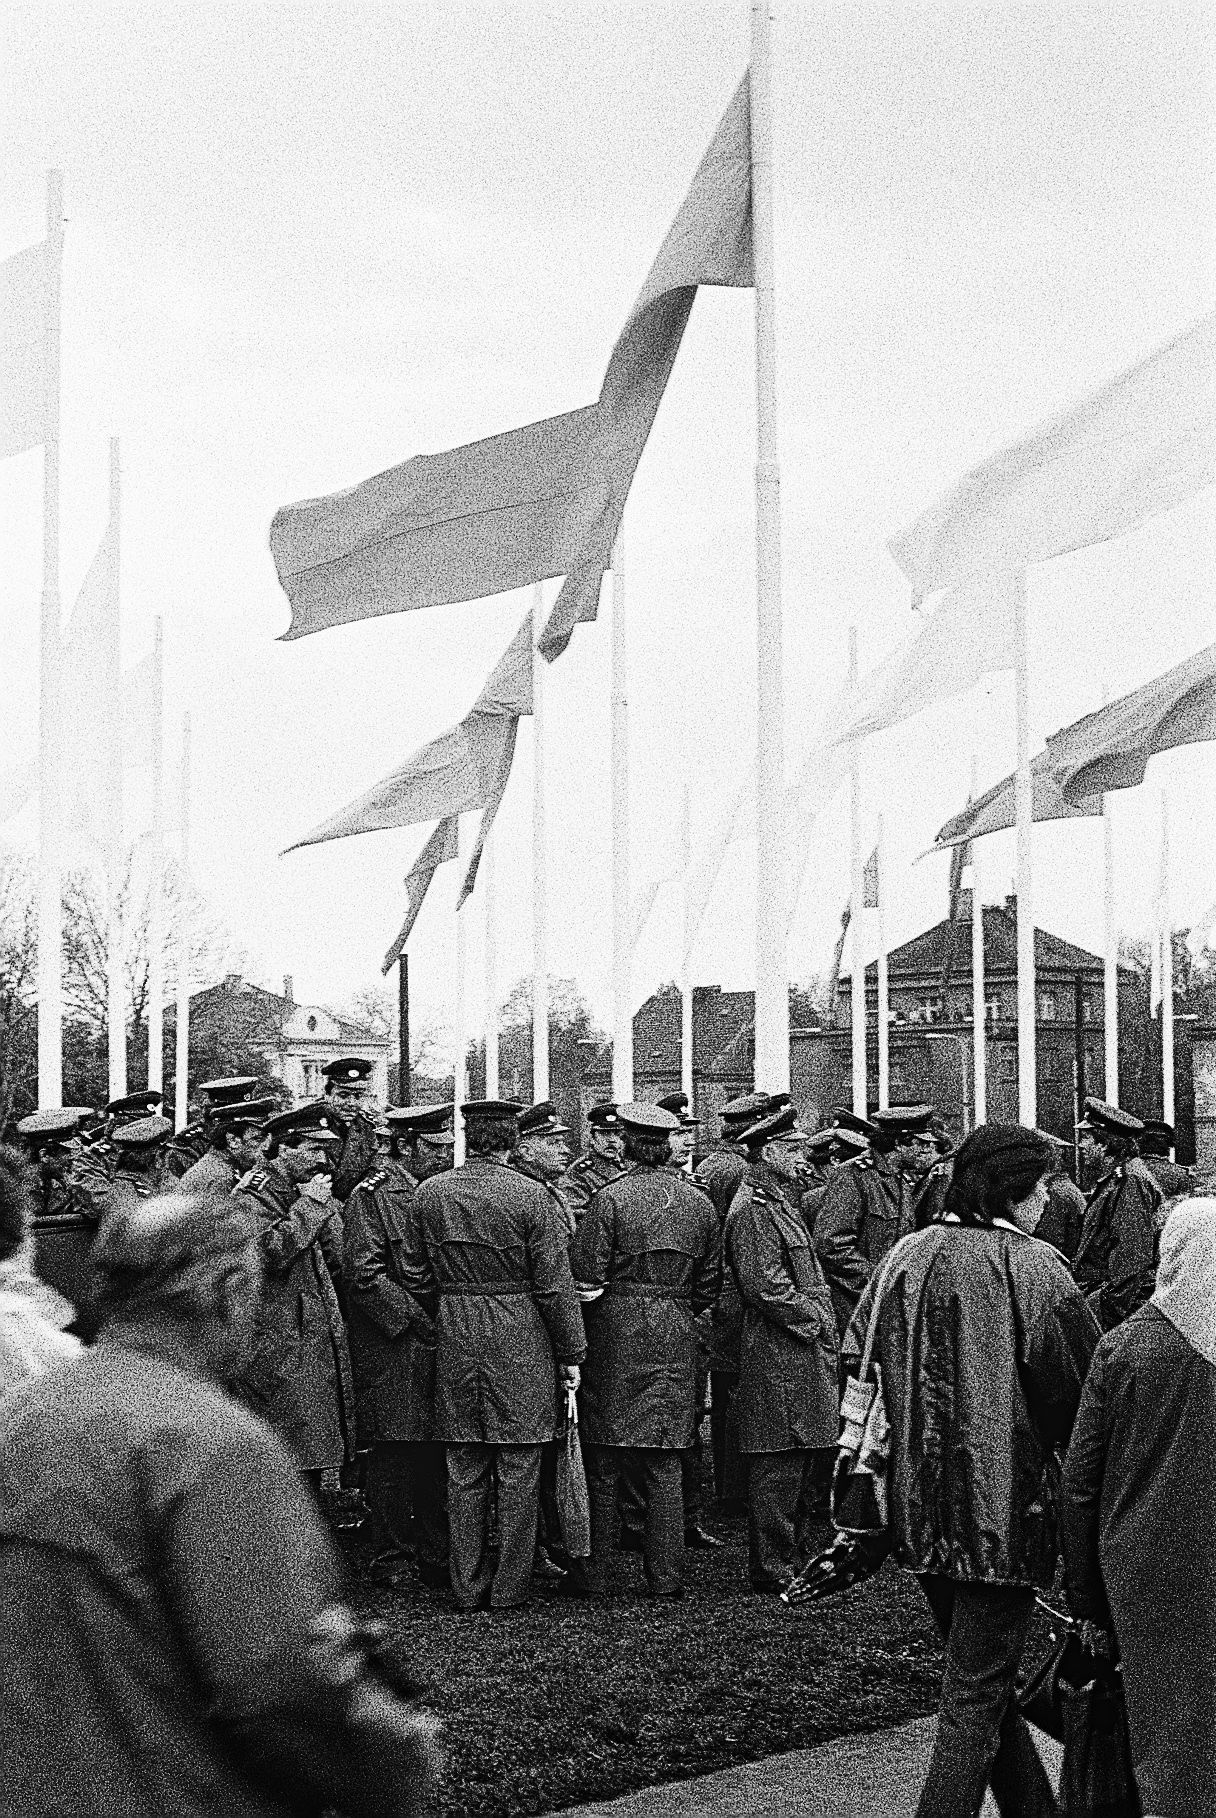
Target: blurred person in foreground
x,y
32,1315
983,1342
1139,1535
173,1639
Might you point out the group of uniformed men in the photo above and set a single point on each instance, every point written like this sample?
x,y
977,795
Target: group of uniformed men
x,y
440,1322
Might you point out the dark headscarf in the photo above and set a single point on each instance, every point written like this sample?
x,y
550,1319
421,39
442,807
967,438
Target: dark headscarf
x,y
994,1168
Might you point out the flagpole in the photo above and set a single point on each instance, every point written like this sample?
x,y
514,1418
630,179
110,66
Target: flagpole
x,y
1110,958
460,1069
156,904
490,1019
622,932
540,903
772,1032
857,1014
686,1025
50,896
116,997
1024,797
1167,971
979,1003
181,1070
884,1031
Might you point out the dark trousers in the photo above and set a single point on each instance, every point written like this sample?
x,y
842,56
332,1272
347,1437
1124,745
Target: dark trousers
x,y
406,1486
982,1738
632,1496
729,1480
473,1472
549,1524
659,1475
781,1494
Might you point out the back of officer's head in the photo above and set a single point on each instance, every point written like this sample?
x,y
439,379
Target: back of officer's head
x,y
650,1149
491,1135
183,1264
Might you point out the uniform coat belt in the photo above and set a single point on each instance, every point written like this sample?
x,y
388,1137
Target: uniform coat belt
x,y
484,1287
648,1290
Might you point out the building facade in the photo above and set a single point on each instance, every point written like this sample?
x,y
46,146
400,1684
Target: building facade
x,y
236,1022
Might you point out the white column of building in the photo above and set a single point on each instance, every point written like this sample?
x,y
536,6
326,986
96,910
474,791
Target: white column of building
x,y
884,995
540,881
622,910
857,956
1024,796
50,730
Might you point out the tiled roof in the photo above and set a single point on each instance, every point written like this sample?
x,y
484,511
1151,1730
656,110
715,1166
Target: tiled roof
x,y
926,953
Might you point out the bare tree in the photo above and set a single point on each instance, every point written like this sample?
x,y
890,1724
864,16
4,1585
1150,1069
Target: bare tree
x,y
18,978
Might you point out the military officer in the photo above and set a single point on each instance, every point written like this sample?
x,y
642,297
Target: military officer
x,y
50,1141
720,1175
192,1143
646,1260
786,1401
392,1344
871,1204
234,1147
683,1138
1157,1154
543,1153
139,1164
298,1376
1116,1261
601,1163
94,1164
348,1091
509,1337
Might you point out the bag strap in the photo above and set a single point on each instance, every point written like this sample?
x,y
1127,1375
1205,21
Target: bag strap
x,y
884,1276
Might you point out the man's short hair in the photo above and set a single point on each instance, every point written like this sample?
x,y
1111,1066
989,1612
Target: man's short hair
x,y
490,1135
651,1151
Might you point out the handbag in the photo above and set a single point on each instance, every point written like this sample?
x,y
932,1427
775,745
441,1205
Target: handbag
x,y
1078,1699
859,1480
573,1507
1040,1699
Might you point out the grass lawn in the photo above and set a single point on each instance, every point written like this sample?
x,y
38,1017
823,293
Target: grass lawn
x,y
567,1702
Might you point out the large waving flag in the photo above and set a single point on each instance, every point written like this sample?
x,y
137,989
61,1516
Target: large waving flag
x,y
464,769
536,502
1105,751
22,349
1140,444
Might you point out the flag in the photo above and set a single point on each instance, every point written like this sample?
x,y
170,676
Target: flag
x,y
960,858
869,882
996,810
461,770
969,633
837,958
1140,444
23,350
1110,749
440,848
536,502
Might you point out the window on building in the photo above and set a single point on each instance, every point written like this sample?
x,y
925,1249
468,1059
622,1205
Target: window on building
x,y
312,1079
992,1010
926,1010
1047,1006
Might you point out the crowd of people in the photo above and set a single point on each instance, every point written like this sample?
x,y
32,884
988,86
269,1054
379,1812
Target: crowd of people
x,y
1047,1363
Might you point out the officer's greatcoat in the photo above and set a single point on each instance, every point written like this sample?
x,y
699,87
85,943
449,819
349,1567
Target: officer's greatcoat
x,y
584,1178
788,1388
486,1241
298,1376
391,1311
1116,1261
647,1249
867,1207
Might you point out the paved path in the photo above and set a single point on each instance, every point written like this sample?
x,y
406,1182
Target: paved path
x,y
874,1776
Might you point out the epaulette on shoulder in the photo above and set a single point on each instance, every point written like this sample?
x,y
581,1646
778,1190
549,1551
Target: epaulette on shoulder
x,y
257,1179
372,1182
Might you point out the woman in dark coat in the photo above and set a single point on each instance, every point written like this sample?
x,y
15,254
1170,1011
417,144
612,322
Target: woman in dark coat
x,y
1139,1516
983,1341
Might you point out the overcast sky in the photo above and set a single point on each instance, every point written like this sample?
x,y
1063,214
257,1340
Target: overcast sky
x,y
305,242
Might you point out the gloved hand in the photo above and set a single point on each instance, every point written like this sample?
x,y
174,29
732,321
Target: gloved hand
x,y
571,1376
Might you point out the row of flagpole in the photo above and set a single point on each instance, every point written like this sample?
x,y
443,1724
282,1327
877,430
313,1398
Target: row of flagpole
x,y
95,641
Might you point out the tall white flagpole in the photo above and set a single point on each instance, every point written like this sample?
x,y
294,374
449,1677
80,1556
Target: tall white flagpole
x,y
182,1058
116,995
1024,797
686,1026
1110,958
857,895
156,906
1167,971
540,883
884,1032
50,730
979,1004
460,1064
772,1065
489,867
622,931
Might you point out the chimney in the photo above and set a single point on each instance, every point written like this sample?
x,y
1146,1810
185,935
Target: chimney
x,y
1011,904
288,991
965,910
